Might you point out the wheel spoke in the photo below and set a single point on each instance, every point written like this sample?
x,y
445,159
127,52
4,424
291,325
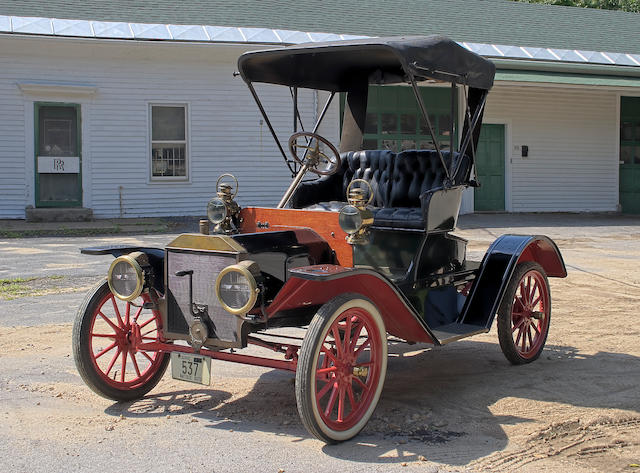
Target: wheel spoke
x,y
330,369
530,337
362,347
124,365
518,300
329,355
352,398
113,362
336,337
359,381
341,403
325,390
524,293
147,323
519,335
347,336
103,335
137,314
332,400
535,302
110,347
535,327
518,325
127,314
368,363
144,353
117,311
135,363
111,324
524,341
356,336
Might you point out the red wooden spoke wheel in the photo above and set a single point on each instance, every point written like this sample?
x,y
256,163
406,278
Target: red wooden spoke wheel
x,y
523,318
341,368
106,336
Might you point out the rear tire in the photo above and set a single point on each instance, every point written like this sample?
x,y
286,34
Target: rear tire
x,y
105,336
341,368
525,314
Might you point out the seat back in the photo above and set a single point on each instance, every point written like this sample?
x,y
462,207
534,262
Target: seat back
x,y
417,171
397,180
373,166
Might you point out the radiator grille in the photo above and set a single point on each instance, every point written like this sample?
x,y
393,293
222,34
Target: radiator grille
x,y
205,267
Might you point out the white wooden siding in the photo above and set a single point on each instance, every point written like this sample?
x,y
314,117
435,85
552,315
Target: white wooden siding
x,y
571,133
572,138
12,147
225,128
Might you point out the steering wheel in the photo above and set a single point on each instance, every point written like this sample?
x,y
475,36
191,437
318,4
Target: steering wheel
x,y
314,157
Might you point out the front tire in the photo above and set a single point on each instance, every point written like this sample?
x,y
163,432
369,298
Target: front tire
x,y
525,313
105,337
341,368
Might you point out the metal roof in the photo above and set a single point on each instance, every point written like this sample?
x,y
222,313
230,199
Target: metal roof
x,y
477,21
225,34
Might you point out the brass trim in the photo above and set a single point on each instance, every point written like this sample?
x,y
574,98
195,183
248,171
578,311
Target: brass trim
x,y
139,275
226,174
244,268
357,200
197,241
361,235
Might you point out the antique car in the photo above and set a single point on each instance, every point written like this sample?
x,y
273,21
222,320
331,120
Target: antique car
x,y
360,247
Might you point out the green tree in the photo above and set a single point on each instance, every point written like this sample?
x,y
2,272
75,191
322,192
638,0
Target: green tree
x,y
624,5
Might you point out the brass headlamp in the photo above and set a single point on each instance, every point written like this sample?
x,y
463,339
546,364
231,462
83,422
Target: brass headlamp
x,y
355,218
223,210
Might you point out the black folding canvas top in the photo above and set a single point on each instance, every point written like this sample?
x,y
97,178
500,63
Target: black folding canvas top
x,y
338,65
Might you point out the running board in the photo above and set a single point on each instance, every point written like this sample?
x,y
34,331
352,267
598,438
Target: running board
x,y
452,332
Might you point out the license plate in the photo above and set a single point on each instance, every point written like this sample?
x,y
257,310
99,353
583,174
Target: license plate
x,y
191,367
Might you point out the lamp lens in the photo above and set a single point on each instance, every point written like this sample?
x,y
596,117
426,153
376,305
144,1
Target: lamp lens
x,y
216,210
350,219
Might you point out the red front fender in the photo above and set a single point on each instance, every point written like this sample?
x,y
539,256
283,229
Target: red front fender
x,y
316,285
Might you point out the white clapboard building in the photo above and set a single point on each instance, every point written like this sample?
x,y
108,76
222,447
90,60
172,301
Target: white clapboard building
x,y
135,112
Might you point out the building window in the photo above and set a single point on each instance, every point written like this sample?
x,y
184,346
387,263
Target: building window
x,y
394,121
169,151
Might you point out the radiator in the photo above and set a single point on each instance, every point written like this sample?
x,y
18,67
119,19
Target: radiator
x,y
224,328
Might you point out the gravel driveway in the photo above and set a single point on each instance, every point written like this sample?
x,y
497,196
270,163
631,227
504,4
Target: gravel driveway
x,y
455,408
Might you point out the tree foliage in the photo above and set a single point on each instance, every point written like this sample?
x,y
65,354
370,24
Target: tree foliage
x,y
624,5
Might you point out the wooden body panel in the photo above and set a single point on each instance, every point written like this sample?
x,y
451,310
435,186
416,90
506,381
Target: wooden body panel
x,y
325,224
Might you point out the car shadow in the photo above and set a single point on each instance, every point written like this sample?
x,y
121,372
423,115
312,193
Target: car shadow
x,y
437,402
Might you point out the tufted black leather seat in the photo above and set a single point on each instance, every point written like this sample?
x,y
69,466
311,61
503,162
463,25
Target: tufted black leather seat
x,y
373,166
402,184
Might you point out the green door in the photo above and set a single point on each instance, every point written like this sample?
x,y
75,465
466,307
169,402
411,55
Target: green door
x,y
490,159
630,154
57,155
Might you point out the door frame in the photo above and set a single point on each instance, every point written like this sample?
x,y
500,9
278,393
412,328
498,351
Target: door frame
x,y
36,147
507,163
619,95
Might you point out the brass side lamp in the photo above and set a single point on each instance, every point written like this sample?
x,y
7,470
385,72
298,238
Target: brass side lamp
x,y
355,218
223,210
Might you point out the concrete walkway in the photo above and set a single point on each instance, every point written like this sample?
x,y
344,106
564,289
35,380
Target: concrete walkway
x,y
108,226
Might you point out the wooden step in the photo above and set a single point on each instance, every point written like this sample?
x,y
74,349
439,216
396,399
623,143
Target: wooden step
x,y
60,214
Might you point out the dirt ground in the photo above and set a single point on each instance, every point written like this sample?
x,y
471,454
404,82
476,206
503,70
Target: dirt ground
x,y
460,407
